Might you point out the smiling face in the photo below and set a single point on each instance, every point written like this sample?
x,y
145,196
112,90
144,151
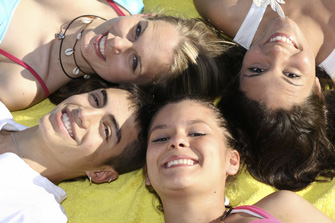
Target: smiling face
x,y
279,68
130,49
187,149
86,130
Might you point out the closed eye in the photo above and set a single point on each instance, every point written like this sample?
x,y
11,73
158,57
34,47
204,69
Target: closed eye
x,y
197,134
162,139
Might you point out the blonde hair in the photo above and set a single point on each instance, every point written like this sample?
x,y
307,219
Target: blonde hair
x,y
196,38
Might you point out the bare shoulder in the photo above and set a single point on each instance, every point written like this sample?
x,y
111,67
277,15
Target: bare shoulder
x,y
226,15
289,207
18,90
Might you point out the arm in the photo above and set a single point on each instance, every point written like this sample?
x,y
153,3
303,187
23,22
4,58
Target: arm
x,y
226,15
289,207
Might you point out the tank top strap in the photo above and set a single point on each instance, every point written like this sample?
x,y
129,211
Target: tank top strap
x,y
132,6
31,70
247,31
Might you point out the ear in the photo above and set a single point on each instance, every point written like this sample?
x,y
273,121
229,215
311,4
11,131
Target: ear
x,y
105,175
317,87
147,180
233,162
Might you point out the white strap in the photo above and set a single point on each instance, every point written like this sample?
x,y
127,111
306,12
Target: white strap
x,y
249,26
248,29
248,212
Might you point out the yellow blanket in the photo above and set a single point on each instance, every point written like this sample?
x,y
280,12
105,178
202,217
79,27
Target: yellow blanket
x,y
127,199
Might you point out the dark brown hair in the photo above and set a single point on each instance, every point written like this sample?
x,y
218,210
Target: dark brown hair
x,y
287,149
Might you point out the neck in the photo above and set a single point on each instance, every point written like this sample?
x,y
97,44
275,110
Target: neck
x,y
35,153
199,207
72,62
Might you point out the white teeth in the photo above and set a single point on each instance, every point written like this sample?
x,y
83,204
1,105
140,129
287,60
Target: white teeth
x,y
102,45
66,122
282,39
180,161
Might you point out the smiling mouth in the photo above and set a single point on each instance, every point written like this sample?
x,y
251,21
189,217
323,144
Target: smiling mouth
x,y
67,124
283,38
179,162
102,46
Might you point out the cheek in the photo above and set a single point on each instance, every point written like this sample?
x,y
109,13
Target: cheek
x,y
307,64
91,144
115,71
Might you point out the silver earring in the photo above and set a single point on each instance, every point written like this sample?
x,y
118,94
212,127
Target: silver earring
x,y
110,180
90,179
86,76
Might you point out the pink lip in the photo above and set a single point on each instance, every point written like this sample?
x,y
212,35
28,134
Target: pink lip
x,y
282,34
97,46
178,157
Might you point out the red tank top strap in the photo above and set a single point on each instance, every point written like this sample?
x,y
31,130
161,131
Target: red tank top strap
x,y
115,7
23,64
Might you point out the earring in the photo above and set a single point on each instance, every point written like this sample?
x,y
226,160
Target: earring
x,y
86,76
90,179
110,180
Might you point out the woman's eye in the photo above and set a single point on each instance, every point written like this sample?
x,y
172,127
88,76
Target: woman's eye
x,y
163,139
106,131
256,70
291,75
138,31
197,134
135,62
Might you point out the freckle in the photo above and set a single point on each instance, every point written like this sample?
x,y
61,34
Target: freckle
x,y
214,192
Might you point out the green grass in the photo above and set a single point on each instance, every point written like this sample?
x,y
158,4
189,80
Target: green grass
x,y
184,8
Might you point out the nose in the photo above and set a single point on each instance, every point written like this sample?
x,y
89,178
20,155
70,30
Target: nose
x,y
178,142
276,52
88,116
120,44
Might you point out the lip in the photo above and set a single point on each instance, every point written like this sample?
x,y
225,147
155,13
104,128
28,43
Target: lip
x,y
97,46
293,42
71,120
179,157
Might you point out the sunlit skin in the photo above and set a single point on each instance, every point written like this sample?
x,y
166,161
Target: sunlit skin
x,y
136,49
280,72
99,129
177,134
195,137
